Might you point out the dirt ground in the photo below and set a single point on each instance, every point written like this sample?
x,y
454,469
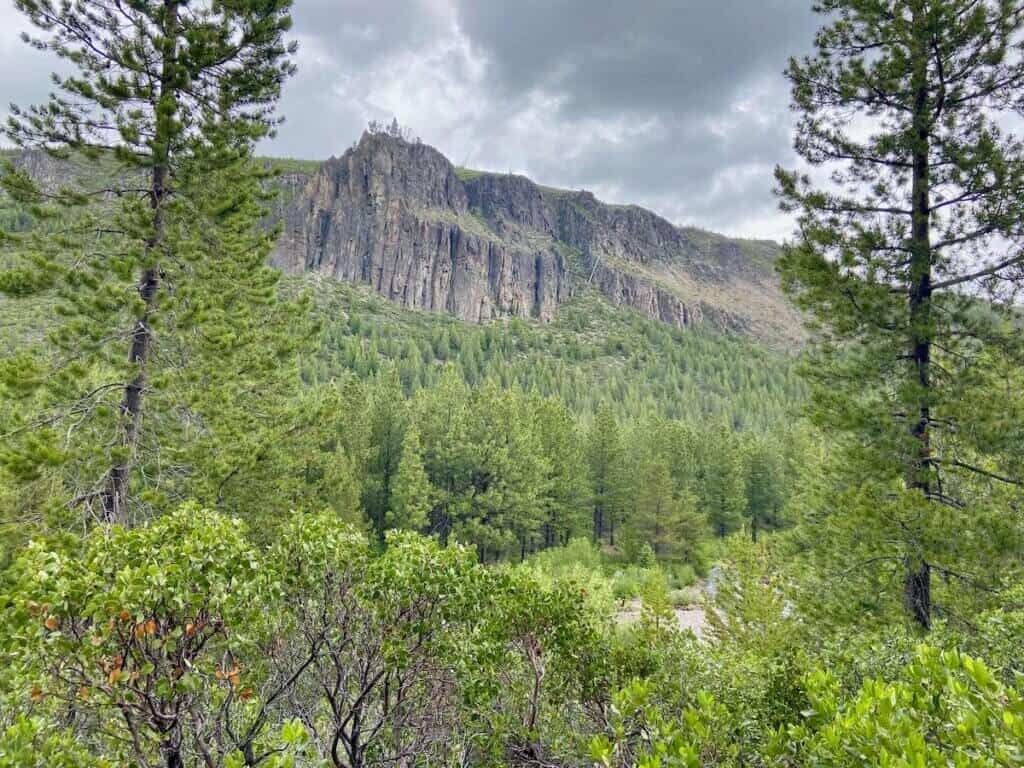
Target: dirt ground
x,y
691,618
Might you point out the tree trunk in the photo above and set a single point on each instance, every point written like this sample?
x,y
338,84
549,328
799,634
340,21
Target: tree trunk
x,y
115,496
171,750
918,469
115,501
917,593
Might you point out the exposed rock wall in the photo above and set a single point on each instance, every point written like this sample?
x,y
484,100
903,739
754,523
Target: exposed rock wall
x,y
398,217
395,216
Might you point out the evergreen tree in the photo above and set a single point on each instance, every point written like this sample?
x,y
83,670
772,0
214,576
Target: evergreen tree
x,y
442,417
607,463
923,218
655,508
689,530
764,485
565,491
721,483
175,98
386,416
412,497
502,500
664,519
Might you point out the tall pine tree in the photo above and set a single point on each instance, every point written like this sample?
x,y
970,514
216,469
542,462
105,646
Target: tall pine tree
x,y
172,94
412,495
721,484
909,260
606,457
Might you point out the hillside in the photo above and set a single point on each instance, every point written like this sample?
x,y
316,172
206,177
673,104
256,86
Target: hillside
x,y
590,353
568,295
400,218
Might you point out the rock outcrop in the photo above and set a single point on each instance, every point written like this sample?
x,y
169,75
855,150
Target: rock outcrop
x,y
395,216
400,218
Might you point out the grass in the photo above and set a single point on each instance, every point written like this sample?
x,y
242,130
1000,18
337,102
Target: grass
x,y
468,174
291,164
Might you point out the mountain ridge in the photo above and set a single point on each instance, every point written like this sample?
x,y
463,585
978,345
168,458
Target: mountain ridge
x,y
399,217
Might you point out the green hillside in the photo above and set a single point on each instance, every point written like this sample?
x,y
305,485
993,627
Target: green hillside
x,y
591,353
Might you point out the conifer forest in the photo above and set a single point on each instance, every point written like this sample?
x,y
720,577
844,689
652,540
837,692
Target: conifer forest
x,y
379,461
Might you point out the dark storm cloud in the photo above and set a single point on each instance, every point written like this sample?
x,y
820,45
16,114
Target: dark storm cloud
x,y
676,105
668,56
707,75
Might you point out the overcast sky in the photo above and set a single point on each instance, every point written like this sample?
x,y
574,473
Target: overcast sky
x,y
676,105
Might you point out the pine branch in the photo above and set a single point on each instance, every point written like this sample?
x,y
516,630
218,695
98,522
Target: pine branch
x,y
986,272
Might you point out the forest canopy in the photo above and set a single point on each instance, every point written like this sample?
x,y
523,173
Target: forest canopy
x,y
251,519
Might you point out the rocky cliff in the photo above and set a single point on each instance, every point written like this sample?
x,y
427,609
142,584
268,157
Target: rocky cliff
x,y
398,217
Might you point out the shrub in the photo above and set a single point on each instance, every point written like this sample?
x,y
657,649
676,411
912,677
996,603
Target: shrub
x,y
685,597
947,708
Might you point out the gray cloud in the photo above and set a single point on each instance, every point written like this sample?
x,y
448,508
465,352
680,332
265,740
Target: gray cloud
x,y
677,105
668,56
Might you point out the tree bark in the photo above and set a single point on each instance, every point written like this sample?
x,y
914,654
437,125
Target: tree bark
x,y
917,593
172,754
115,496
918,469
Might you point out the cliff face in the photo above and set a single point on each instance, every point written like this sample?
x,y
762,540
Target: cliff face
x,y
395,216
400,218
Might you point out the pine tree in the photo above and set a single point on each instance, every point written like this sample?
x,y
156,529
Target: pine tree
x,y
412,496
665,519
564,491
655,508
387,420
689,530
502,502
764,489
721,483
442,417
902,104
607,462
173,98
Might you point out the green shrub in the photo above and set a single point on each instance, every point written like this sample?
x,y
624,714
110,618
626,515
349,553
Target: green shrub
x,y
579,552
628,582
946,709
685,597
681,575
